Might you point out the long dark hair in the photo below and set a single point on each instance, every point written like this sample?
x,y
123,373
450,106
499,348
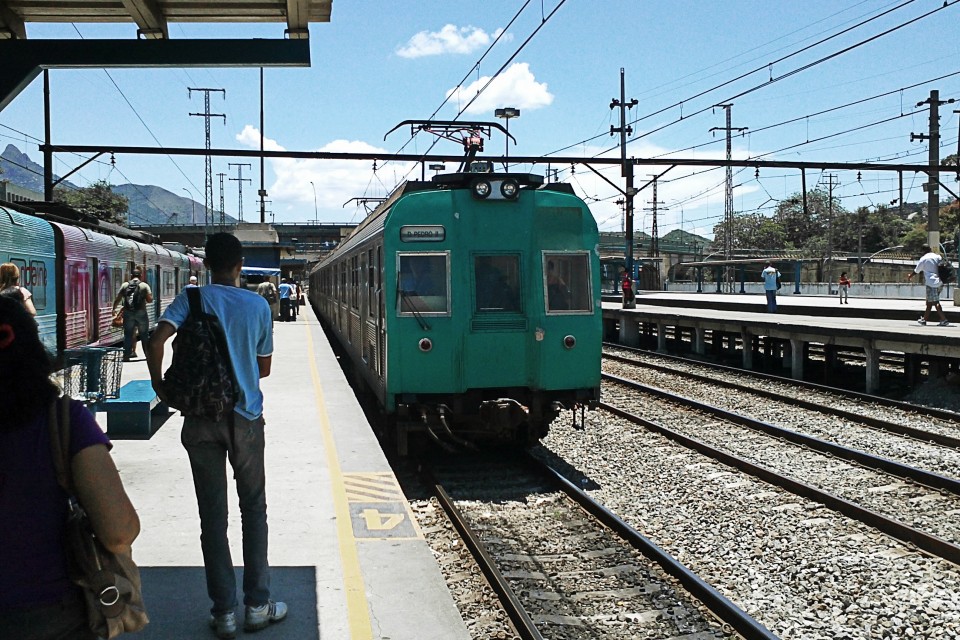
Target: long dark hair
x,y
25,367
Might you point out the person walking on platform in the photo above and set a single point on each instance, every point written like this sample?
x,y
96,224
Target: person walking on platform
x,y
268,291
286,300
927,265
771,282
245,318
844,289
134,295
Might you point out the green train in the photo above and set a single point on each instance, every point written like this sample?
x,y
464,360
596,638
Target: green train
x,y
469,305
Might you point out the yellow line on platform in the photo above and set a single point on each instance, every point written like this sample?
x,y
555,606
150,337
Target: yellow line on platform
x,y
358,612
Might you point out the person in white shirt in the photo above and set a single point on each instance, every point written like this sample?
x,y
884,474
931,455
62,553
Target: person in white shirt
x,y
927,265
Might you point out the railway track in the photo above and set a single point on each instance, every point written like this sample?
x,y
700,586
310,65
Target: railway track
x,y
565,567
803,569
908,511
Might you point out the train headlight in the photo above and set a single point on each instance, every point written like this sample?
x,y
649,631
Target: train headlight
x,y
569,342
425,344
509,189
481,189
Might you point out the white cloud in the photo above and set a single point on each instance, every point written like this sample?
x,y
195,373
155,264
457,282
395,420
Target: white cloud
x,y
450,39
515,87
336,181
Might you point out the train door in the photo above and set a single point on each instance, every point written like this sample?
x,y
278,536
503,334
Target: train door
x,y
362,305
381,324
155,286
93,301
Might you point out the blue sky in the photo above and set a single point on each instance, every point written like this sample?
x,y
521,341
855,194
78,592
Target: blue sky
x,y
378,63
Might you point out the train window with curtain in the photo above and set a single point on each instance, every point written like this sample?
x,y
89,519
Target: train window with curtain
x,y
566,279
497,283
422,284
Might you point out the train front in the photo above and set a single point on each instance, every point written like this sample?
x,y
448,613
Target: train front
x,y
494,316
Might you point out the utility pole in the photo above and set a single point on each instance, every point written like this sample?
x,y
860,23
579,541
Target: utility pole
x,y
626,170
832,181
262,192
208,161
728,198
223,220
655,233
932,187
240,180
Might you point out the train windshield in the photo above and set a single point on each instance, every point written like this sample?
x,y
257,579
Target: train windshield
x,y
422,285
567,282
497,282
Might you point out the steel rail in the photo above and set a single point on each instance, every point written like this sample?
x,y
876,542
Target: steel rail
x,y
719,605
518,615
863,458
933,412
892,527
877,423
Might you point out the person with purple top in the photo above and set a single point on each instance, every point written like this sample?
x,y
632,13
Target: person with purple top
x,y
37,599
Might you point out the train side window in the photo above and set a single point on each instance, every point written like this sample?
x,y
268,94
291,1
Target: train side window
x,y
566,279
34,278
497,283
422,284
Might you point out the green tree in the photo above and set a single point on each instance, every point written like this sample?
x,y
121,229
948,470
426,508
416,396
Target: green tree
x,y
808,230
98,199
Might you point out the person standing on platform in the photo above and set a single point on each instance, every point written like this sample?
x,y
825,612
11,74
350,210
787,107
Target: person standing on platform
x,y
245,318
627,287
10,287
286,300
771,282
844,289
37,598
927,265
268,291
134,295
192,283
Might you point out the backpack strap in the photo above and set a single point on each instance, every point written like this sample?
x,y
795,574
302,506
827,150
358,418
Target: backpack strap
x,y
196,305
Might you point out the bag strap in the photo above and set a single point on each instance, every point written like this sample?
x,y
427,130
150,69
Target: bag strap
x,y
59,426
196,306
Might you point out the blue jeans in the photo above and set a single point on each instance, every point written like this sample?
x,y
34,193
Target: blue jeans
x,y
208,446
135,321
771,300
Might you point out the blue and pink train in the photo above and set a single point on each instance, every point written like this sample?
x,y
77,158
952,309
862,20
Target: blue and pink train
x,y
74,274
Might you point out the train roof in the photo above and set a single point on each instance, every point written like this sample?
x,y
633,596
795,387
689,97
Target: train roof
x,y
59,212
440,182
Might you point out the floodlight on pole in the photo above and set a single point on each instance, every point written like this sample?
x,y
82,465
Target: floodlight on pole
x,y
316,215
193,211
507,113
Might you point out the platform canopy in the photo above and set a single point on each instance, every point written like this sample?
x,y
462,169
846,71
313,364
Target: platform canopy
x,y
23,58
152,17
259,271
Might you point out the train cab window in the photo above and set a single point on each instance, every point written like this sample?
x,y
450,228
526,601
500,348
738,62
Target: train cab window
x,y
422,284
497,283
567,282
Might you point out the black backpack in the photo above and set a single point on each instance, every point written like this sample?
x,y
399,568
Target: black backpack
x,y
132,296
200,381
946,271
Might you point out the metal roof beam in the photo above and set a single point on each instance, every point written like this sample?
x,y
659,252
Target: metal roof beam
x,y
11,25
24,59
151,23
298,19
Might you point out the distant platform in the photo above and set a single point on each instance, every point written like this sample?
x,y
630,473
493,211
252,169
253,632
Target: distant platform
x,y
738,323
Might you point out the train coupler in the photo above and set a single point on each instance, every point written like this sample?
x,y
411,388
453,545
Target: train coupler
x,y
504,414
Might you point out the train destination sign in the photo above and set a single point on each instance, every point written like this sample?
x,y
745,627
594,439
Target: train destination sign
x,y
423,233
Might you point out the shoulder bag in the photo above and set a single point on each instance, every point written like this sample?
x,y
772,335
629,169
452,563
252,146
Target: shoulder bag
x,y
110,582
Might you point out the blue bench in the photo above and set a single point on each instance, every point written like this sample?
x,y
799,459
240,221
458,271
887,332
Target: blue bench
x,y
136,414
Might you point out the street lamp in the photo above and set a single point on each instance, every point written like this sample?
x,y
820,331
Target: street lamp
x,y
876,253
507,113
193,210
316,215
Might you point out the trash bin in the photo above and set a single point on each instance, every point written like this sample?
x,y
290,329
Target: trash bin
x,y
92,373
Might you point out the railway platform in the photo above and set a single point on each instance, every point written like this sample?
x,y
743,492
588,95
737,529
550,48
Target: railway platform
x,y
732,321
346,553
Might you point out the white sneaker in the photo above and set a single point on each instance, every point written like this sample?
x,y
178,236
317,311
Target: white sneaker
x,y
225,625
257,618
921,321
